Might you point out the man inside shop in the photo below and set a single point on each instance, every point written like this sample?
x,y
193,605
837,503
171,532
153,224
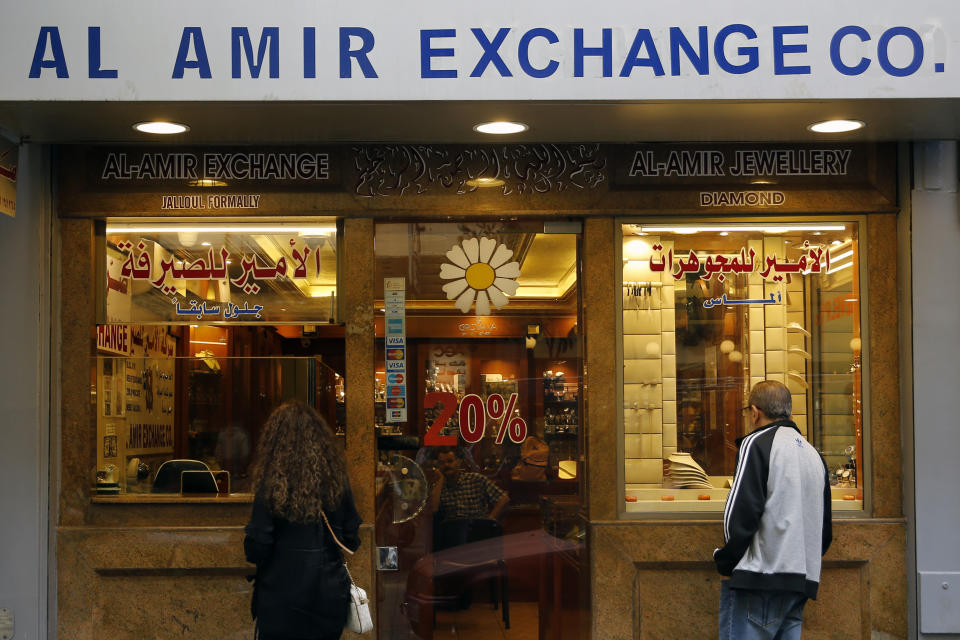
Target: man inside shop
x,y
466,505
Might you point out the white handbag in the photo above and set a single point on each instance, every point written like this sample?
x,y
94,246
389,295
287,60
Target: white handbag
x,y
358,614
358,611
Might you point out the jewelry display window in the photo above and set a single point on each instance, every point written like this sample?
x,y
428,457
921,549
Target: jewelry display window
x,y
710,309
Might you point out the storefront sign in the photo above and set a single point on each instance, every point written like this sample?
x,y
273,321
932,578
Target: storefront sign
x,y
750,163
297,51
756,177
752,177
742,198
395,341
210,169
9,153
666,164
211,202
159,165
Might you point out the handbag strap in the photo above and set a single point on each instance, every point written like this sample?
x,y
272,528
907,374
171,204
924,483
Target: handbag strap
x,y
340,544
335,539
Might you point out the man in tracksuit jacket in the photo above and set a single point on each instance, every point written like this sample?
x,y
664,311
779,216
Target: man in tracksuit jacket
x,y
776,524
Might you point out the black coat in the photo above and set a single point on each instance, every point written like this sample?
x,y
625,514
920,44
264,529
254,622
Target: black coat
x,y
301,589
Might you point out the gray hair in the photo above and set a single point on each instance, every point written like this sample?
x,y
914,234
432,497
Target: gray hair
x,y
772,398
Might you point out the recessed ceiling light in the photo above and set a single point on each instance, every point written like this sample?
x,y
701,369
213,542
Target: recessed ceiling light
x,y
484,182
500,127
836,126
206,182
161,128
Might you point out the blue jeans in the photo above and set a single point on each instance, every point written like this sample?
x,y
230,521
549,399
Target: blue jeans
x,y
760,615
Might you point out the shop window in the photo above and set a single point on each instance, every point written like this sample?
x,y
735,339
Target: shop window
x,y
209,326
479,424
709,310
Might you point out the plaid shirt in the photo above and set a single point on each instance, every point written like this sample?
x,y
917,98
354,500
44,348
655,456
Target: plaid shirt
x,y
472,497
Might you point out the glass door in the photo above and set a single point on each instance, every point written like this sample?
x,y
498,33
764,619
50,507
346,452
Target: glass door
x,y
480,432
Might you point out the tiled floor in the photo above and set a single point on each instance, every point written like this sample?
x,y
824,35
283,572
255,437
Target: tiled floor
x,y
483,622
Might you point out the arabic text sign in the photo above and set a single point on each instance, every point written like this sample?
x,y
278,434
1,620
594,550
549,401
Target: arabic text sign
x,y
816,260
210,267
298,50
214,274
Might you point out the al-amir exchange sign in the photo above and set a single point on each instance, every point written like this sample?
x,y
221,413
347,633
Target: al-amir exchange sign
x,y
223,50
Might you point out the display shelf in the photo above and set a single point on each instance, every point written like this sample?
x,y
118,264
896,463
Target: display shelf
x,y
652,499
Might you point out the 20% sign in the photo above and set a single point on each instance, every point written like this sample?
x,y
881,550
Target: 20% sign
x,y
473,414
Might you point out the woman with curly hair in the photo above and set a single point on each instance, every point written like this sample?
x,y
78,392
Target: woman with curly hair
x,y
301,588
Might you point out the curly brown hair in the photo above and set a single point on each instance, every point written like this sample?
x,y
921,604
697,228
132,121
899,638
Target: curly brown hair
x,y
299,466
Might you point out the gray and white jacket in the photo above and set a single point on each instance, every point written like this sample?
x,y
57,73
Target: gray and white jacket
x,y
777,520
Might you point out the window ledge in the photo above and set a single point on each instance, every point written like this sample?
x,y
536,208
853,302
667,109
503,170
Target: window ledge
x,y
171,498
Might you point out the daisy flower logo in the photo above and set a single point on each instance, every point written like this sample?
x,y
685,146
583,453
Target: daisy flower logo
x,y
480,271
